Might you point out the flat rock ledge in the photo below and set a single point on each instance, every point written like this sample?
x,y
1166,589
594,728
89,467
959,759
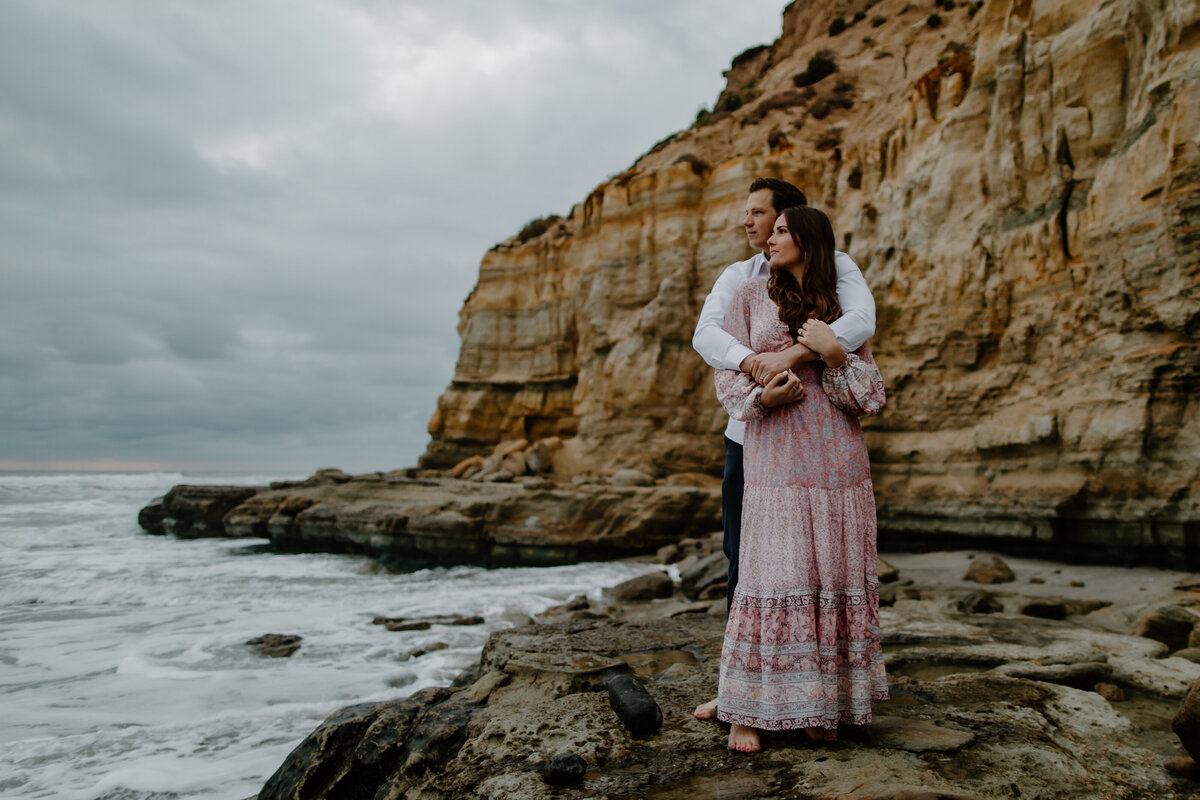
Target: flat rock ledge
x,y
411,522
996,705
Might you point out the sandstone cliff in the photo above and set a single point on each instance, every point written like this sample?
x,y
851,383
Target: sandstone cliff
x,y
1019,181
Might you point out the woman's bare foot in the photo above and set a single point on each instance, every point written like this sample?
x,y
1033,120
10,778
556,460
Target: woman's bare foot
x,y
743,739
707,710
821,734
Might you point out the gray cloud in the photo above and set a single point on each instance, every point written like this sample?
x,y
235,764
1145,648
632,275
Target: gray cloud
x,y
238,233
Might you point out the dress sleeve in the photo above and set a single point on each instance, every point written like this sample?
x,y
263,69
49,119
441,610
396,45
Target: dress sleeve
x,y
855,387
737,390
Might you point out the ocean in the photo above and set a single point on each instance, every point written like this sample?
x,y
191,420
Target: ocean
x,y
124,673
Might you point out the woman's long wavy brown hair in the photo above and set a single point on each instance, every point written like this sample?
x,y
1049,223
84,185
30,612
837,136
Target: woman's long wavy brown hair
x,y
814,296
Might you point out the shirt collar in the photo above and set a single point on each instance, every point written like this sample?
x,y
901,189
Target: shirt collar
x,y
761,267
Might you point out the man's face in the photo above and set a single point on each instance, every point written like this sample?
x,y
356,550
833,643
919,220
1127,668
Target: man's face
x,y
760,218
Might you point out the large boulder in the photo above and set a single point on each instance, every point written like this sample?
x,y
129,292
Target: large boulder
x,y
988,569
708,571
652,585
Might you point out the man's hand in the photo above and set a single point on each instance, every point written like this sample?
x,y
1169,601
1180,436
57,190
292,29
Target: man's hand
x,y
765,366
784,388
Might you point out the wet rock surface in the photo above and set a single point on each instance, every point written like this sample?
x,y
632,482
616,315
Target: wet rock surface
x,y
983,706
275,645
564,769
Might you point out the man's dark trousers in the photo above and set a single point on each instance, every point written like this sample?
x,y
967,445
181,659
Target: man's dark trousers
x,y
732,489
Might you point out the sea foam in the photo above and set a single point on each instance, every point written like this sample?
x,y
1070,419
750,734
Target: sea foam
x,y
123,655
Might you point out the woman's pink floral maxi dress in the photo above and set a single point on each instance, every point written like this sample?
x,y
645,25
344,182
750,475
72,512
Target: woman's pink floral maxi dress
x,y
802,642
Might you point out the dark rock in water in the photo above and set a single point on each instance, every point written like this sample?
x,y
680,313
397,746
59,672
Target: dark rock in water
x,y
1168,623
408,625
988,569
704,573
716,591
276,645
564,769
421,651
152,518
1186,722
425,623
980,603
634,706
192,512
887,595
644,587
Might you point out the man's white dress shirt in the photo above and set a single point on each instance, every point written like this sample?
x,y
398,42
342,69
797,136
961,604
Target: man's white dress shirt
x,y
722,351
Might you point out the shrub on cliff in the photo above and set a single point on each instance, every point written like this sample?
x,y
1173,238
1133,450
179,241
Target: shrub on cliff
x,y
837,26
748,54
819,66
536,227
822,107
729,101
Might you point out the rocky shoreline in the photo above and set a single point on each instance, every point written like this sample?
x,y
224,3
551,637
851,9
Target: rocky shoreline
x,y
411,519
991,697
517,508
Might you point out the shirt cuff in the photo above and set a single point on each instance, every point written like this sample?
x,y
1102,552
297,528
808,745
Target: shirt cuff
x,y
737,354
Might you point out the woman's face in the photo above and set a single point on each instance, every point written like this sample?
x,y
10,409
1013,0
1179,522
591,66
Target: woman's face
x,y
782,250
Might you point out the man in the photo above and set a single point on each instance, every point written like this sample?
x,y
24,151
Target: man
x,y
767,198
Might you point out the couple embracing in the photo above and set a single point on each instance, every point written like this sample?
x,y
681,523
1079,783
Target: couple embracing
x,y
787,331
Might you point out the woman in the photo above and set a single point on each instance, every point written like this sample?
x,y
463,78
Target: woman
x,y
802,646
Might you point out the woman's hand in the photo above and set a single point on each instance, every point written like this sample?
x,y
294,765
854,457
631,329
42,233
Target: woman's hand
x,y
784,388
819,338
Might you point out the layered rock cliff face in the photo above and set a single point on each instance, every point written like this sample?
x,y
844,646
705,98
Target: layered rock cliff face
x,y
1019,181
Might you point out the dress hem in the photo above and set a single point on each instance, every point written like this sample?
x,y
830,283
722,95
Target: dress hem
x,y
843,718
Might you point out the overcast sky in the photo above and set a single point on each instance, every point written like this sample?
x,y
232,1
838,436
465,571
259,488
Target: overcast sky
x,y
237,233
